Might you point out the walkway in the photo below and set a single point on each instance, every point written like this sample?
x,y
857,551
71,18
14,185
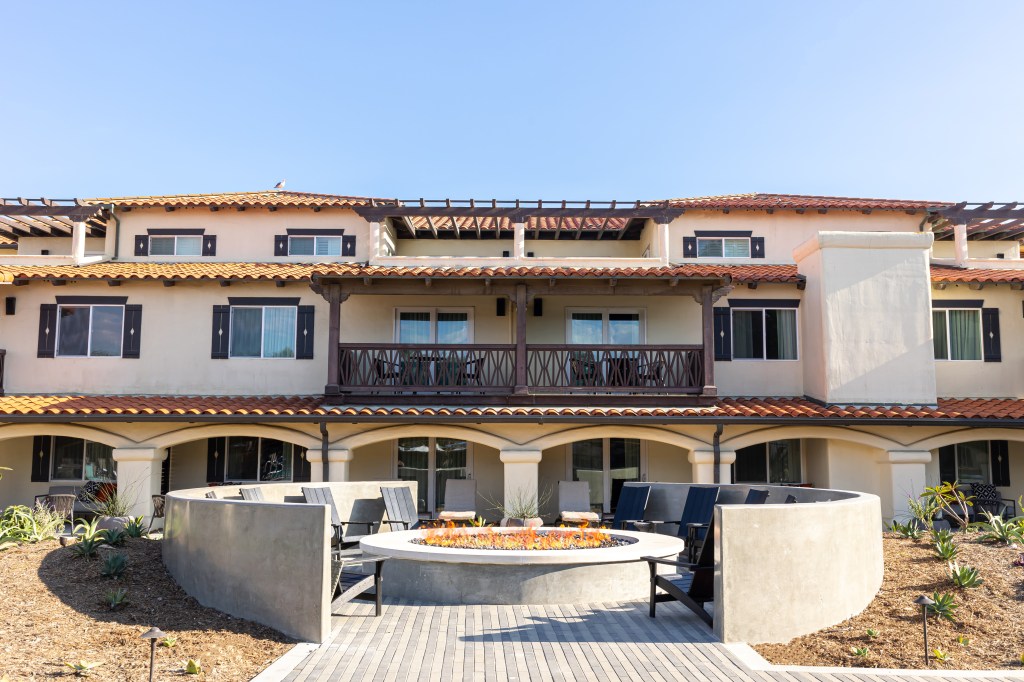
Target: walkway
x,y
611,641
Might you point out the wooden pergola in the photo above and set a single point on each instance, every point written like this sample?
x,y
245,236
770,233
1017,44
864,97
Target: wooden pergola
x,y
990,221
21,217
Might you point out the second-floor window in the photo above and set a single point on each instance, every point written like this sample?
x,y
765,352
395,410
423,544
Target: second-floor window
x,y
176,245
263,331
764,334
723,247
956,334
615,326
90,330
314,246
434,325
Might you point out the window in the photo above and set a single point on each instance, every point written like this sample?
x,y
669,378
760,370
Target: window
x,y
90,330
606,464
723,247
764,334
956,334
263,331
434,325
773,462
259,459
973,462
74,459
190,245
620,327
314,246
432,462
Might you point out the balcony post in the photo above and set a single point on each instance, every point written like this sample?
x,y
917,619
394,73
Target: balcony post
x,y
708,322
521,374
519,241
960,245
333,339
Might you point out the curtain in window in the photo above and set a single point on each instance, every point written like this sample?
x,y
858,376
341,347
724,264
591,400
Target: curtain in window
x,y
328,246
300,246
972,462
624,329
189,246
964,334
784,461
780,336
243,458
279,332
453,327
709,248
414,465
67,458
588,465
940,337
99,462
413,327
737,248
246,330
73,330
586,328
747,334
450,459
107,327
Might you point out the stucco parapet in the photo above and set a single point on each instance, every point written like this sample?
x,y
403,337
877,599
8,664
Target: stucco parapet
x,y
138,454
520,456
708,456
907,457
918,241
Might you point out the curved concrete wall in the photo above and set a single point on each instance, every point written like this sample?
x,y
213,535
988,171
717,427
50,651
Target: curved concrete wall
x,y
263,561
785,570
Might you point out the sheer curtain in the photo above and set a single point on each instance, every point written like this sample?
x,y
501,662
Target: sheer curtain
x,y
279,332
246,327
453,328
413,327
747,334
964,334
588,465
74,330
781,335
940,337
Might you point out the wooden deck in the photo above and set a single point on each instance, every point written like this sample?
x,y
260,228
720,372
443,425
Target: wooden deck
x,y
611,641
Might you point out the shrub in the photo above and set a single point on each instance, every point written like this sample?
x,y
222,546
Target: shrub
x,y
946,550
997,529
193,667
114,565
964,576
951,500
924,509
89,530
944,606
20,524
168,642
943,535
907,530
82,668
116,599
86,548
115,537
109,502
136,528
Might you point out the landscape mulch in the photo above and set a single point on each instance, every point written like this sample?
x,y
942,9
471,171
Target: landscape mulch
x,y
51,613
991,616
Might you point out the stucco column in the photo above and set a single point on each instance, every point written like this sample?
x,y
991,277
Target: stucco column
x,y
78,241
960,244
661,243
375,246
138,476
337,464
903,477
522,469
519,241
316,465
703,463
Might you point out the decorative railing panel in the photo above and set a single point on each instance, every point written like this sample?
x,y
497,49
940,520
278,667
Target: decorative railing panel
x,y
426,368
615,369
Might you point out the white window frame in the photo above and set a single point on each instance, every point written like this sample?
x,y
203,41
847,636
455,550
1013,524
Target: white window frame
x,y
432,467
176,237
949,336
988,455
433,320
88,349
315,237
259,462
764,335
261,356
722,240
605,312
606,461
768,465
82,479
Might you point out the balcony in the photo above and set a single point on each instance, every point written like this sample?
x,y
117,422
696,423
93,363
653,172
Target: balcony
x,y
375,373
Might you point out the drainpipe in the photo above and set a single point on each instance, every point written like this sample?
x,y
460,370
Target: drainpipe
x,y
117,231
717,448
323,450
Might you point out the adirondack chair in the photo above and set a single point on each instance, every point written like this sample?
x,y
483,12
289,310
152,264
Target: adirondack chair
x,y
211,495
401,508
574,503
343,534
697,532
459,501
702,586
252,494
350,585
697,512
631,507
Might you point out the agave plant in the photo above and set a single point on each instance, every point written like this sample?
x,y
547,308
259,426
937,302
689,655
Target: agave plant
x,y
82,668
136,527
944,607
909,530
947,550
114,565
116,599
193,667
997,529
964,576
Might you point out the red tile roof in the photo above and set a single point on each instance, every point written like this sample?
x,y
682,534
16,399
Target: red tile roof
x,y
759,201
264,199
160,271
313,407
942,273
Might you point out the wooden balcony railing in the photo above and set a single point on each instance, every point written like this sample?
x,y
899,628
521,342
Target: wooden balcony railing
x,y
478,373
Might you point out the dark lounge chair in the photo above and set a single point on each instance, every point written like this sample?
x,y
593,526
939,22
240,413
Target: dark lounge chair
x,y
697,512
350,585
702,587
343,534
631,506
401,508
697,532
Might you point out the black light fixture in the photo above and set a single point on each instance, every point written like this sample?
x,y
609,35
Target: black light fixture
x,y
152,634
9,305
538,307
500,308
924,601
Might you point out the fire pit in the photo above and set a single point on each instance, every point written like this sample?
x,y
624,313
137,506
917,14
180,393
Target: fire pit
x,y
518,566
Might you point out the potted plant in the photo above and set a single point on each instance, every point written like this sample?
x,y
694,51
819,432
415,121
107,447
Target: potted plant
x,y
522,508
111,508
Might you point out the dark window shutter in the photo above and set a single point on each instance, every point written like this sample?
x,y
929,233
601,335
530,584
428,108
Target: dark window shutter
x,y
221,332
990,335
304,333
131,341
689,247
301,468
723,334
141,245
165,472
348,245
757,247
210,245
947,464
216,453
1000,451
41,447
281,245
47,330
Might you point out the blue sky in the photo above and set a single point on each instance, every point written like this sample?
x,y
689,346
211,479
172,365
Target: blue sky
x,y
547,100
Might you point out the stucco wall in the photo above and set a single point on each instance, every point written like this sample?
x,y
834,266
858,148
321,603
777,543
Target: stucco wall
x,y
16,486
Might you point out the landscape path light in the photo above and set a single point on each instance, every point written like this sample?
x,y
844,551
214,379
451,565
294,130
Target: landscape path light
x,y
152,634
925,601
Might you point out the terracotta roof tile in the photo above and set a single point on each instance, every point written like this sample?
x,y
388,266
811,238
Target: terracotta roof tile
x,y
942,273
759,201
1008,409
263,199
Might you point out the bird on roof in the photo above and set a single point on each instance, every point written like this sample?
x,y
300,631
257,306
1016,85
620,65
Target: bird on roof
x,y
279,185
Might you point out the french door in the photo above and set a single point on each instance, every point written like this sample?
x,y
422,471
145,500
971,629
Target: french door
x,y
606,464
432,462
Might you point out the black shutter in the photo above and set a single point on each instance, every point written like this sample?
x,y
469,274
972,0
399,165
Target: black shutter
x,y
221,329
348,245
301,468
947,464
689,247
141,245
131,341
281,245
1000,452
990,335
47,330
216,453
757,247
723,334
304,333
210,245
41,447
165,472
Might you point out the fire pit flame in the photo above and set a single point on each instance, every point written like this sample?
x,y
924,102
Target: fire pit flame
x,y
518,539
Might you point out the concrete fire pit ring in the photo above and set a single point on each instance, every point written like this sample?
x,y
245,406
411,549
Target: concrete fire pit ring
x,y
445,575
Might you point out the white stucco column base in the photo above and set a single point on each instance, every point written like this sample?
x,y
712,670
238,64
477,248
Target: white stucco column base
x,y
338,464
316,465
138,477
522,469
903,477
703,463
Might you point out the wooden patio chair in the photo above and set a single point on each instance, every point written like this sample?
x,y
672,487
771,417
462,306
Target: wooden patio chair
x,y
401,508
343,536
63,505
159,504
459,501
698,509
631,506
252,494
574,504
356,585
701,589
211,495
697,532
